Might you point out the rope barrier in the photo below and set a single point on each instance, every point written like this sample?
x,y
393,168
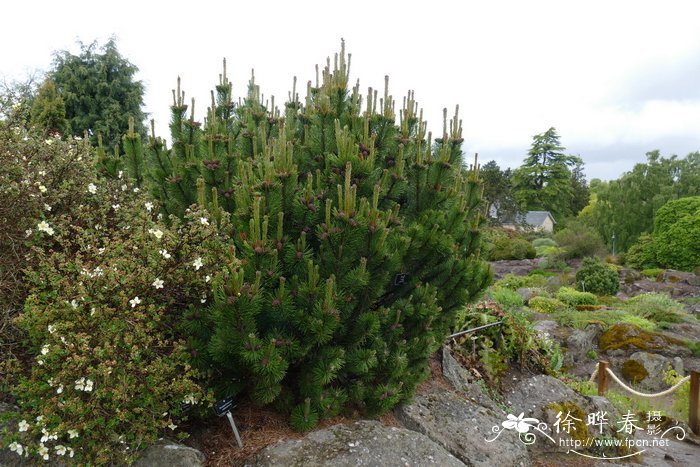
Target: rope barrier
x,y
595,373
633,391
641,394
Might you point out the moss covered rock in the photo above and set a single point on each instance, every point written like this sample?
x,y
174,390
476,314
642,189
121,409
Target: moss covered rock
x,y
633,371
630,338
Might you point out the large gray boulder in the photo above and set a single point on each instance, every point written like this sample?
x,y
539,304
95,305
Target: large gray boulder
x,y
365,442
549,401
463,428
579,344
167,453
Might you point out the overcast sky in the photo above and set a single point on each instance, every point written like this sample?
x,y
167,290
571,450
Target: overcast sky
x,y
616,78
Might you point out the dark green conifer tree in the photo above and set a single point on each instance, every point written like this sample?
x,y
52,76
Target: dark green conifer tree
x,y
357,240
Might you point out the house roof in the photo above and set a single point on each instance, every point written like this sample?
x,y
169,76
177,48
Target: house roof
x,y
538,217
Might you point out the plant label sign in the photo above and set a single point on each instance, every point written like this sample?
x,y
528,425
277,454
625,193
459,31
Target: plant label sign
x,y
401,278
223,406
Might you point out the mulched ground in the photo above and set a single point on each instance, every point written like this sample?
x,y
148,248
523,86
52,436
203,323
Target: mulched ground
x,y
261,426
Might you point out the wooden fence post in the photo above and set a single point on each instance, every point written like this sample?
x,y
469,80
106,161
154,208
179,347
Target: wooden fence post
x,y
602,377
694,412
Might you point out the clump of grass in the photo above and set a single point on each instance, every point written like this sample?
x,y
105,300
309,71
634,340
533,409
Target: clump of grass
x,y
656,307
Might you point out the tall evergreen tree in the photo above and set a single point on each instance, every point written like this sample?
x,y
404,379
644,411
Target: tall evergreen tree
x,y
100,92
581,193
498,191
543,182
356,241
49,111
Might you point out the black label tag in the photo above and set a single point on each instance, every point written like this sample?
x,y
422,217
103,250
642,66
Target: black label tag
x,y
223,406
185,407
401,278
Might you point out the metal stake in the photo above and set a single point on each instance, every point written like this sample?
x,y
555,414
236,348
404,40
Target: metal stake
x,y
235,430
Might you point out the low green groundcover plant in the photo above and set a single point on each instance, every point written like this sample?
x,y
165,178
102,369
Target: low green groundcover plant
x,y
546,304
574,297
505,297
657,307
111,367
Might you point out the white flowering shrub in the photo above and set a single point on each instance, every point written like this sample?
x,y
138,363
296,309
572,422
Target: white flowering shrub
x,y
40,179
110,372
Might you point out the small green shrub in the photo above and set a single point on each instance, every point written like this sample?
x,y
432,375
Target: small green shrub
x,y
112,366
596,277
549,251
656,307
546,304
514,282
642,254
543,242
573,297
503,244
505,297
579,241
652,273
592,354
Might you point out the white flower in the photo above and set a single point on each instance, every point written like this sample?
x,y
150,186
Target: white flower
x,y
42,172
197,264
45,349
71,452
136,189
48,142
165,254
115,206
80,384
100,251
92,188
204,221
203,300
190,399
50,382
60,389
44,452
119,175
74,303
16,447
42,188
88,385
207,278
40,419
158,283
157,233
172,426
149,206
43,226
92,311
60,449
40,362
72,434
52,328
23,425
28,232
134,301
47,207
